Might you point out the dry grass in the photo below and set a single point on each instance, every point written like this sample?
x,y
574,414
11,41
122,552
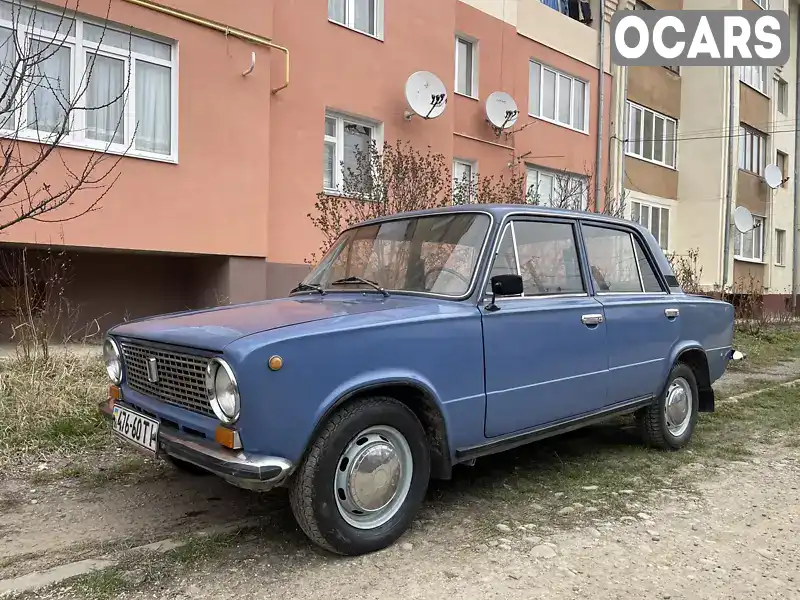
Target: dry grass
x,y
50,404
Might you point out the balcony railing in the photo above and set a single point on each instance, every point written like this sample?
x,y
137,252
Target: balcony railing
x,y
574,9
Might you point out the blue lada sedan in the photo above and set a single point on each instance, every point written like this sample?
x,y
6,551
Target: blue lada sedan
x,y
420,341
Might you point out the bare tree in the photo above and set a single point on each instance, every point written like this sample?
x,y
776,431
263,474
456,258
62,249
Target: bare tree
x,y
43,102
399,178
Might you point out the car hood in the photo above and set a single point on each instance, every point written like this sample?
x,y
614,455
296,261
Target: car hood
x,y
215,328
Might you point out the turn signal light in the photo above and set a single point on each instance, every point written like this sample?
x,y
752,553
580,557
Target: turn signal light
x,y
227,437
114,392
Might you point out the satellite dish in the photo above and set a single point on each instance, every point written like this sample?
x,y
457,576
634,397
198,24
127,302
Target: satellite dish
x,y
773,176
501,111
426,95
742,219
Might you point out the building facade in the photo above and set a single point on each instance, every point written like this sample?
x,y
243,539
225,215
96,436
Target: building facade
x,y
216,208
675,154
239,114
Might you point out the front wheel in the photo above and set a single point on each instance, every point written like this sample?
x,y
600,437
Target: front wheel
x,y
670,422
363,479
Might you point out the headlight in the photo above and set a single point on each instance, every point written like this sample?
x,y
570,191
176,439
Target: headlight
x,y
223,393
113,360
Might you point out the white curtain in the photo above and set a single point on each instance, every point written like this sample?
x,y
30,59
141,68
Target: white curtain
x,y
336,10
104,102
153,115
364,15
49,77
8,56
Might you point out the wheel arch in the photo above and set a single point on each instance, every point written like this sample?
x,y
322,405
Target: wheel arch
x,y
417,397
694,357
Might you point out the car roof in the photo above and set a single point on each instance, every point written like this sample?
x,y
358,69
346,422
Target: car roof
x,y
499,211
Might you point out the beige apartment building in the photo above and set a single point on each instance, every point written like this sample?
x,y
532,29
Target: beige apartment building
x,y
672,156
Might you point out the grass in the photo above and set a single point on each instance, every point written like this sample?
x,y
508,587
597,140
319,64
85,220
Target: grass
x,y
50,405
766,347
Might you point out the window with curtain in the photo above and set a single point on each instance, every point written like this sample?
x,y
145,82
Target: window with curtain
x,y
557,188
755,76
654,218
750,245
109,89
752,150
362,15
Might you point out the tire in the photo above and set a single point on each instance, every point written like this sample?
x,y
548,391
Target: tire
x,y
322,498
672,430
186,467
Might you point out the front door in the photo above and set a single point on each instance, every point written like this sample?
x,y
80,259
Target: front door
x,y
642,319
545,351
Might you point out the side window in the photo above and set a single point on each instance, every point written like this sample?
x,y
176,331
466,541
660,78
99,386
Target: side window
x,y
546,258
612,260
649,278
618,261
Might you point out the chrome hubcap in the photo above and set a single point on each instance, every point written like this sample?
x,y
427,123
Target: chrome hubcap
x,y
678,406
373,477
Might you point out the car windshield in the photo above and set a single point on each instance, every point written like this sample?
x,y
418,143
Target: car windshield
x,y
435,254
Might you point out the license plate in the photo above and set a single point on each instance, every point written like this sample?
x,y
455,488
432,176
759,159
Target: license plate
x,y
137,428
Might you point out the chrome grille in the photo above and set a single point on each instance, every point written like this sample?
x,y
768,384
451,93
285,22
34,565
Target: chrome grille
x,y
181,377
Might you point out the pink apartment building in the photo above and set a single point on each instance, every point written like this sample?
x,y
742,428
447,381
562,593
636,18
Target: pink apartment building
x,y
214,205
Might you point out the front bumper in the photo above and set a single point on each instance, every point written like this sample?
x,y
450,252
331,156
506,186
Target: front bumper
x,y
248,471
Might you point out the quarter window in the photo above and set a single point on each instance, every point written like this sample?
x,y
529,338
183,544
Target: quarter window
x,y
544,254
618,262
87,84
558,97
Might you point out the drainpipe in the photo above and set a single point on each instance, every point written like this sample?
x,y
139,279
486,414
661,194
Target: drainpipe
x,y
729,182
796,219
222,28
600,86
625,127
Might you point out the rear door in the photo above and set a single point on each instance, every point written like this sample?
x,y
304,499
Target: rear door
x,y
642,319
545,351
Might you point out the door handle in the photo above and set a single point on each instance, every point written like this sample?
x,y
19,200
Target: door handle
x,y
594,319
671,313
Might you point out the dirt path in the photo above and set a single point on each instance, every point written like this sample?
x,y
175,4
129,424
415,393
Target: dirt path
x,y
737,536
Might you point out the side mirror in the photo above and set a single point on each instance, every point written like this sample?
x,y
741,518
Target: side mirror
x,y
504,285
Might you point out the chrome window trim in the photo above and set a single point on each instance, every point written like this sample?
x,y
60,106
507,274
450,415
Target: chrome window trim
x,y
508,221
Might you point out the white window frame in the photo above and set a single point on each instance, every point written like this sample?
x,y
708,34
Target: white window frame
x,y
637,138
338,139
649,224
472,77
782,96
349,19
756,77
539,114
758,257
748,160
762,4
473,171
79,50
533,178
780,247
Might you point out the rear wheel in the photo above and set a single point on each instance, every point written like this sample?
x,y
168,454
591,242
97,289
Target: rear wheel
x,y
364,478
670,422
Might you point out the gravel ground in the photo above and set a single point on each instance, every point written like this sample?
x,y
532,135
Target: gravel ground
x,y
733,534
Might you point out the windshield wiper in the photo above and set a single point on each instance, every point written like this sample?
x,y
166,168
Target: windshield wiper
x,y
355,279
312,287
